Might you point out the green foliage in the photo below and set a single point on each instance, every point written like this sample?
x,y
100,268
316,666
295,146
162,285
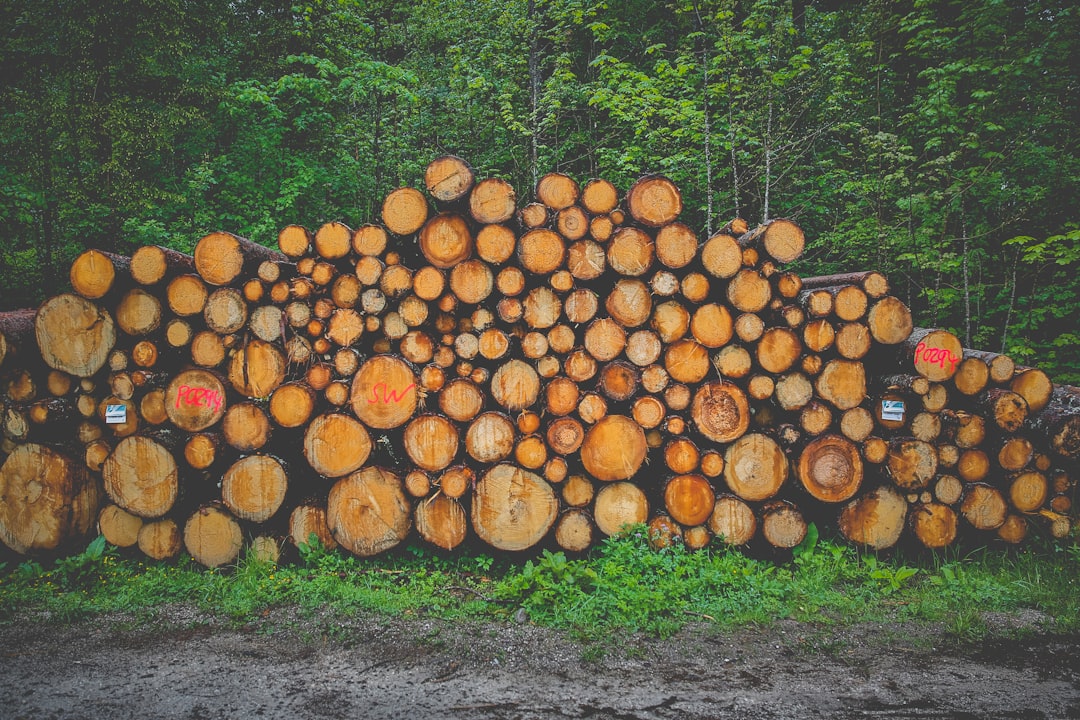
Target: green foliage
x,y
78,572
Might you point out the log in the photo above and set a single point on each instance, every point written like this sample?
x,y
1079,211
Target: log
x,y
245,426
749,291
490,438
782,240
875,519
599,196
630,252
294,241
221,257
449,178
912,463
254,487
613,449
195,399
1002,368
1028,491
512,508
842,383
150,264
629,303
541,251
212,536
572,223
778,350
721,256
676,245
972,375
934,524
889,321
755,467
830,469
654,201
574,531
48,499
515,385
431,441
308,519
983,506
720,411
404,211
689,499
257,369
586,260
160,539
141,476
686,361
367,512
1034,386
934,354
782,525
872,282
202,449
119,527
619,505
732,521
1059,421
336,445
441,521
663,532
74,335
1005,408
557,191
94,273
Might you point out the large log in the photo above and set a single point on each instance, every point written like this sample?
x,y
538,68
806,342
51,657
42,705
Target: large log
x,y
336,444
253,488
74,335
755,467
830,468
94,273
874,519
449,178
619,505
47,499
614,448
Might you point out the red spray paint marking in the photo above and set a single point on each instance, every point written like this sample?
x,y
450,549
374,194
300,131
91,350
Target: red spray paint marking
x,y
388,396
936,356
203,397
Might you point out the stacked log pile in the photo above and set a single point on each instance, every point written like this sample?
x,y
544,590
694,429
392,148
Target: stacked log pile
x,y
523,375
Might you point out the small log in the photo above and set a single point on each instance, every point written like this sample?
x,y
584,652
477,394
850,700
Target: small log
x,y
404,211
431,441
676,245
1002,368
720,411
557,191
778,350
782,525
972,375
875,519
732,521
755,467
94,273
782,240
246,427
195,399
654,201
160,539
119,527
515,385
830,469
689,499
749,291
367,512
599,197
141,476
541,251
294,241
934,524
1005,408
1034,386
336,444
490,438
889,321
74,335
257,369
983,506
150,264
512,508
253,487
630,252
842,383
309,519
912,463
721,256
613,449
586,260
1028,491
441,521
574,531
448,178
212,536
618,505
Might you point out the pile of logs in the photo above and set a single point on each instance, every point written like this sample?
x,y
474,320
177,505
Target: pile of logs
x,y
539,374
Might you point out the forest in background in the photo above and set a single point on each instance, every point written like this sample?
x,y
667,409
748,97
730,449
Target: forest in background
x,y
935,140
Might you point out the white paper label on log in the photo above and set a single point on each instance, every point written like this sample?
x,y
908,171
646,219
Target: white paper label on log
x,y
115,414
892,410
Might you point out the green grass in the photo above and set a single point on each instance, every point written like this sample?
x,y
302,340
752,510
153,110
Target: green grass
x,y
624,584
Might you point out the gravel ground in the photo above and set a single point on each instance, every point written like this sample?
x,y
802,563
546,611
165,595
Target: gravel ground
x,y
184,665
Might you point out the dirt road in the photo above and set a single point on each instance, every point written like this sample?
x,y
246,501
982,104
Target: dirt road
x,y
187,666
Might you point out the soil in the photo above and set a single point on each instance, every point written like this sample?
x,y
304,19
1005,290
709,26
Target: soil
x,y
181,664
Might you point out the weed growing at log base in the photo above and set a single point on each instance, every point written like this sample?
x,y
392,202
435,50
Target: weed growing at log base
x,y
622,584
